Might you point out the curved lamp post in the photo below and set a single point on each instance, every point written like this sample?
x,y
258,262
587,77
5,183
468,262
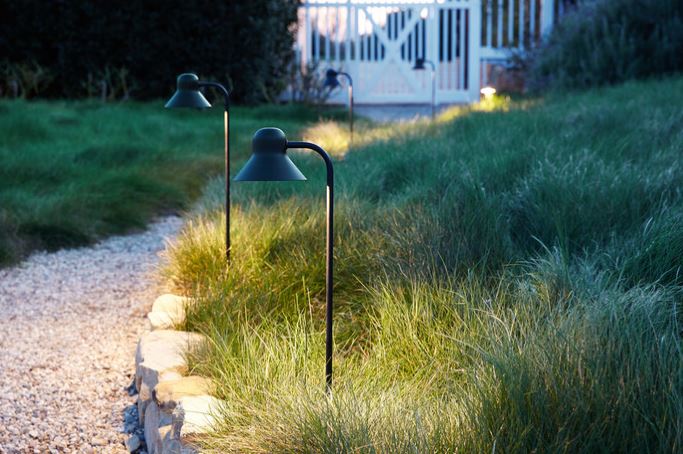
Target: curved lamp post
x,y
332,82
420,66
188,95
269,162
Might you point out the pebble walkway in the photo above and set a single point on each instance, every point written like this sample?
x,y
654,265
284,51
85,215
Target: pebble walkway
x,y
69,323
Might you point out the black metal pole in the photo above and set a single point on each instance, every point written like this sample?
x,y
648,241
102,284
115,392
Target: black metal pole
x,y
351,114
350,91
433,66
226,125
329,339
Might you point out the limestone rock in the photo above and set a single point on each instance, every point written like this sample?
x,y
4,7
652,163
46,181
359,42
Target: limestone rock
x,y
171,437
162,320
172,444
167,311
168,393
173,304
161,356
155,419
199,416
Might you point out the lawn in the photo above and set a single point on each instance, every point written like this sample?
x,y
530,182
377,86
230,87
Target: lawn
x,y
73,172
508,279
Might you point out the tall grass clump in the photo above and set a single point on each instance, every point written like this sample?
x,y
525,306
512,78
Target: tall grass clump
x,y
73,172
610,41
505,280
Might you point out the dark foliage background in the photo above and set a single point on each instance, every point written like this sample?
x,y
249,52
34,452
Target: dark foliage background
x,y
610,41
141,45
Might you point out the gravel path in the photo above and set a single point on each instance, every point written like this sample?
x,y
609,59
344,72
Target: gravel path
x,y
69,323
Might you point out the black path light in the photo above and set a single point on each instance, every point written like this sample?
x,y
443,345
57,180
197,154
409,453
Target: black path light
x,y
420,66
332,82
269,162
188,95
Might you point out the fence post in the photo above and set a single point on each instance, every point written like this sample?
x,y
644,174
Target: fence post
x,y
347,45
306,54
433,46
547,17
474,51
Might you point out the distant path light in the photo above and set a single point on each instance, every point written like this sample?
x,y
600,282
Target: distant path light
x,y
419,65
488,92
332,82
188,95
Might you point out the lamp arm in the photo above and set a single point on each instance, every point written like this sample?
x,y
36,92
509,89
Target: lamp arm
x,y
330,244
224,91
347,75
431,63
321,152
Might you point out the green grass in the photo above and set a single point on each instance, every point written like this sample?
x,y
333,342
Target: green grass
x,y
72,172
506,280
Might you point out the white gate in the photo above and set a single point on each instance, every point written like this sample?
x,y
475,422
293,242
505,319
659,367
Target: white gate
x,y
377,43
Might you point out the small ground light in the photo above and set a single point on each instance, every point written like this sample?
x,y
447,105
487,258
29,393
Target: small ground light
x,y
188,95
269,162
420,66
488,92
332,82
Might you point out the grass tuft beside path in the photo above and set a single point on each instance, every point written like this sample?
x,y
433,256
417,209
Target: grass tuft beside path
x,y
506,280
72,172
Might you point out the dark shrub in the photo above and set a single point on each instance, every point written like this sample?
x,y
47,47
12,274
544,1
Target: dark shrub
x,y
139,46
610,41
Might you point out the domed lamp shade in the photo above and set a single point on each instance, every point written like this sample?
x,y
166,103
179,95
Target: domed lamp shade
x,y
269,160
187,93
331,79
419,64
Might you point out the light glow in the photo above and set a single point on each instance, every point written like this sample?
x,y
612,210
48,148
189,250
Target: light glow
x,y
488,92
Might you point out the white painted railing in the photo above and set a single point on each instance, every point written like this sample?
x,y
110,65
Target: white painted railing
x,y
378,41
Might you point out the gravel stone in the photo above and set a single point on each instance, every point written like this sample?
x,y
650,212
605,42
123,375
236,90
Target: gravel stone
x,y
69,325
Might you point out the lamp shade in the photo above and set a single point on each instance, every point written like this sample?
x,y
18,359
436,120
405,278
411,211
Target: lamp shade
x,y
187,93
331,79
419,64
269,160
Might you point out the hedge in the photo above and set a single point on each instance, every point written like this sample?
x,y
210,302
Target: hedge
x,y
606,42
138,47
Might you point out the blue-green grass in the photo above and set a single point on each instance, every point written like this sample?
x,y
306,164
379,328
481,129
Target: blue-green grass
x,y
508,279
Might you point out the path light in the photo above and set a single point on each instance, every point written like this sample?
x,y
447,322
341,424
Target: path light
x,y
488,92
269,162
420,66
188,95
332,82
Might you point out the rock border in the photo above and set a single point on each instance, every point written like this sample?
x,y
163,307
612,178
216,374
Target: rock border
x,y
175,409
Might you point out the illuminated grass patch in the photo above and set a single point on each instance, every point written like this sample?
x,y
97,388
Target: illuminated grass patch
x,y
507,280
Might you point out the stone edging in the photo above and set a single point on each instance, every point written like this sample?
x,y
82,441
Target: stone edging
x,y
174,409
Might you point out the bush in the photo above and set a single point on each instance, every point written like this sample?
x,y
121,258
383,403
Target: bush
x,y
246,43
610,41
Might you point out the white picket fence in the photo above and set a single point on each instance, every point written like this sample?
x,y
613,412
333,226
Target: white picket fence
x,y
377,42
